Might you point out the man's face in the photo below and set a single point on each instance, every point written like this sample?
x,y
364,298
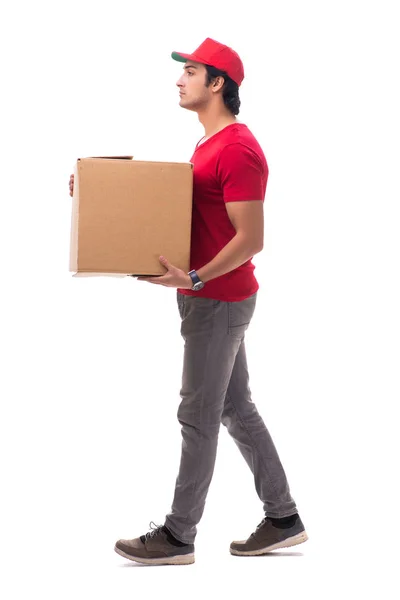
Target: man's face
x,y
193,92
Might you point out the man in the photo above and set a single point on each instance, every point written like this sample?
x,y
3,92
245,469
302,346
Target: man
x,y
216,301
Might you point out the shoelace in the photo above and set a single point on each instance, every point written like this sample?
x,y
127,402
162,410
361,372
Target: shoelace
x,y
262,522
260,525
154,530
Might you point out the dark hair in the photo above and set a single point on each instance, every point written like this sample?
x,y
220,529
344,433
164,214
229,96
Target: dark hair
x,y
230,90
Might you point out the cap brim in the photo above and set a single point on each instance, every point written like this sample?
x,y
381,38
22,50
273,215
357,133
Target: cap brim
x,y
180,57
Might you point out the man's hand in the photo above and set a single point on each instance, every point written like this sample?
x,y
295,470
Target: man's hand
x,y
174,277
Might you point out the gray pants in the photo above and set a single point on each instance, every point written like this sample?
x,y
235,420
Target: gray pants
x,y
215,390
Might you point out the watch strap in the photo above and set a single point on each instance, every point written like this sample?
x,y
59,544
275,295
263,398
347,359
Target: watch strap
x,y
194,277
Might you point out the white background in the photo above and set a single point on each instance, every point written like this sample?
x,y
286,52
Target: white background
x,y
90,443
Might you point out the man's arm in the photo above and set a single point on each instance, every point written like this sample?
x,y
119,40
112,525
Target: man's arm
x,y
248,220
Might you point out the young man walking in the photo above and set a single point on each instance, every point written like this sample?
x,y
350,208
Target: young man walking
x,y
216,302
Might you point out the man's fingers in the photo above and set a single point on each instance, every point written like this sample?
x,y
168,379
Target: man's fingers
x,y
151,280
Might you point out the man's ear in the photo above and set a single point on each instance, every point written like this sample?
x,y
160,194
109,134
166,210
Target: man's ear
x,y
218,82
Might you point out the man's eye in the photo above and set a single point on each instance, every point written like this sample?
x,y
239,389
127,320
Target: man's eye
x,y
190,72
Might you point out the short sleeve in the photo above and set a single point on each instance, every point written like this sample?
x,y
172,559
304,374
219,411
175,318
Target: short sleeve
x,y
240,173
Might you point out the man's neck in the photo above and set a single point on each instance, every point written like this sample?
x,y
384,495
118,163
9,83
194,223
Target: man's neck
x,y
213,123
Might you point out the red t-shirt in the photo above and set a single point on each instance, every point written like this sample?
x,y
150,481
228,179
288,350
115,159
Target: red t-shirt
x,y
228,167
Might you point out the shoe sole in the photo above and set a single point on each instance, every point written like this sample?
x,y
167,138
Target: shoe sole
x,y
292,541
181,559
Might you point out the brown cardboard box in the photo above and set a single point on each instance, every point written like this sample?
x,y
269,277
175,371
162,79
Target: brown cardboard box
x,y
126,213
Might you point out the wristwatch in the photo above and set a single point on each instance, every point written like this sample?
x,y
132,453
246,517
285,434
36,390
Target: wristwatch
x,y
197,283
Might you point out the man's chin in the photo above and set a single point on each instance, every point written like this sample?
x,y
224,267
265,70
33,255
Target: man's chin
x,y
187,105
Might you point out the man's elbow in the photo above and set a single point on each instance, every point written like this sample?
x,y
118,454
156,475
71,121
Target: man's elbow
x,y
258,248
255,245
258,243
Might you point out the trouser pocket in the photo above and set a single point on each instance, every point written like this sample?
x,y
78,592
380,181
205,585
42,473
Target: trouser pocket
x,y
240,315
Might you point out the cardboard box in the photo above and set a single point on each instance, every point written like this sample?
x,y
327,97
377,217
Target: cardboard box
x,y
126,213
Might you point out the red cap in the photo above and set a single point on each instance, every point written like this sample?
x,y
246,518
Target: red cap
x,y
216,55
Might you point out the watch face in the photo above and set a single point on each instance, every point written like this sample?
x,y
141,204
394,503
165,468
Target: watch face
x,y
198,286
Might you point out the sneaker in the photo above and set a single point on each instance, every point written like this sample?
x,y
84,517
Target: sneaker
x,y
267,537
156,548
